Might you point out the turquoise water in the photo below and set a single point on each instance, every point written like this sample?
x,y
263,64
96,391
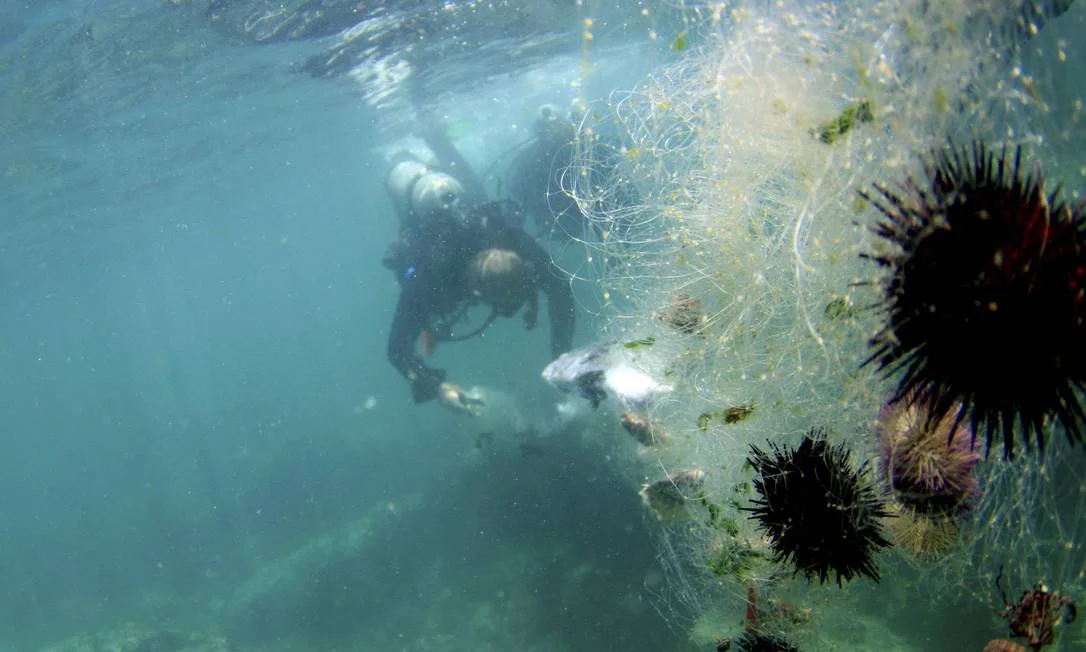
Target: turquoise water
x,y
194,382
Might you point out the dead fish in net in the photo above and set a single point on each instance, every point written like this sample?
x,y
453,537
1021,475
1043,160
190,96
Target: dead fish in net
x,y
597,370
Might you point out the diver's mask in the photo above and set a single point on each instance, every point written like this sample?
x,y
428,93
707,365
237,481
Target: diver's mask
x,y
553,127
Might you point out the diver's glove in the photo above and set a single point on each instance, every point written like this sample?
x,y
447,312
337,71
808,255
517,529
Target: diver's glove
x,y
425,383
455,398
531,316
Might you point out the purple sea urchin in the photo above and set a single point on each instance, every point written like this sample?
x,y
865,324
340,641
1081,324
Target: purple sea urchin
x,y
984,294
817,512
927,463
925,537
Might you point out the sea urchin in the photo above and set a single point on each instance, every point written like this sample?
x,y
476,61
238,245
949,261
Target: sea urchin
x,y
928,464
816,511
750,641
984,293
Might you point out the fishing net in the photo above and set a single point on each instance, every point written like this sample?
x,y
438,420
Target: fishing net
x,y
726,229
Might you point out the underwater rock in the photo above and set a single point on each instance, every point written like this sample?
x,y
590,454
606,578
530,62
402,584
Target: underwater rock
x,y
133,638
325,589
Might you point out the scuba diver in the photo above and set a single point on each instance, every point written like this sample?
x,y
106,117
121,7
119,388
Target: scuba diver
x,y
457,250
555,199
535,175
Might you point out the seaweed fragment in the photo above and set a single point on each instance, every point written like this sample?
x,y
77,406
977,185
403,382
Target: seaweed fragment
x,y
849,117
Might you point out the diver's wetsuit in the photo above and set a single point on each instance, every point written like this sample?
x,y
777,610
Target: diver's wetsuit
x,y
432,268
535,181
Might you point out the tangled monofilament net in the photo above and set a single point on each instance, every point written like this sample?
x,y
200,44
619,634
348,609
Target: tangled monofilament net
x,y
729,180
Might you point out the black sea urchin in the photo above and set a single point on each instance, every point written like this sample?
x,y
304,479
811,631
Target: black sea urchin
x,y
984,294
817,511
750,641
